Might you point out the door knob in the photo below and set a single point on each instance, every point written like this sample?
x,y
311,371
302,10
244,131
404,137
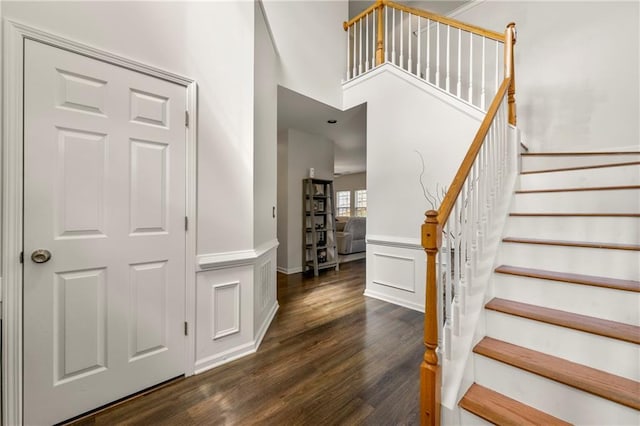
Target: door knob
x,y
41,256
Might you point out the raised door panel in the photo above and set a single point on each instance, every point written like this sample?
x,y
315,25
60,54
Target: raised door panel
x,y
80,324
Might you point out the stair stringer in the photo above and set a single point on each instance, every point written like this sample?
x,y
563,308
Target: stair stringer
x,y
457,373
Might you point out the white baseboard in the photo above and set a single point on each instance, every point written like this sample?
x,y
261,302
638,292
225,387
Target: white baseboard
x,y
224,357
239,351
265,325
396,301
289,271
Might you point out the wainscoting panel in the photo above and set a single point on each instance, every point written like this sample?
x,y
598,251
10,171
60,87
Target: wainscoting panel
x,y
265,303
235,304
396,272
223,315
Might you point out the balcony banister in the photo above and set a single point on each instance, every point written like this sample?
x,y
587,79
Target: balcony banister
x,y
362,14
494,35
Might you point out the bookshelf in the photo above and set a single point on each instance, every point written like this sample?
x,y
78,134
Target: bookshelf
x,y
318,226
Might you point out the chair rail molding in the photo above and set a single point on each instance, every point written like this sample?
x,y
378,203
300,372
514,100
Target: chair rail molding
x,y
233,259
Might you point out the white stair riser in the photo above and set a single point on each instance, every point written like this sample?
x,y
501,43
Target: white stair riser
x,y
618,201
623,264
470,419
530,162
609,229
610,304
603,353
564,402
585,178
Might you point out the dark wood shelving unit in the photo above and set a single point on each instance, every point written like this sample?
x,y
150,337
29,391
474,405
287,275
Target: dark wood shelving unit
x,y
319,250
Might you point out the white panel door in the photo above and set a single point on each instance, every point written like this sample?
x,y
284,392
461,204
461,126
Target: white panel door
x,y
104,193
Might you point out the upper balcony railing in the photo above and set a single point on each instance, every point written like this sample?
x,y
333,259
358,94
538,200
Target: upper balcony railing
x,y
464,60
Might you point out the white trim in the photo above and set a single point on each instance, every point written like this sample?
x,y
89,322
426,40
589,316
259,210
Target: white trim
x,y
192,230
224,357
238,351
265,325
235,329
390,299
14,35
289,271
411,260
460,104
233,259
397,242
265,248
12,227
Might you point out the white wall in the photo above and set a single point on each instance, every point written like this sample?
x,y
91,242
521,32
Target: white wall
x,y
265,133
193,39
311,44
303,150
283,193
577,72
350,182
405,115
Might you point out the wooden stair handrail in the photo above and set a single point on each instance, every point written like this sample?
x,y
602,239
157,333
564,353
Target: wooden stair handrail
x,y
431,238
463,171
449,21
494,35
362,14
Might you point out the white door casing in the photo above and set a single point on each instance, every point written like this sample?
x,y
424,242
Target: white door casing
x,y
104,192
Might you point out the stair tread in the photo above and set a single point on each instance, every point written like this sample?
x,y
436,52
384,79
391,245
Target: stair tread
x,y
578,154
586,244
592,280
567,169
612,329
577,214
592,188
615,388
502,410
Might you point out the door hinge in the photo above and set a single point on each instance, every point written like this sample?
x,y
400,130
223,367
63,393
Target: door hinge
x,y
21,257
186,328
186,223
186,119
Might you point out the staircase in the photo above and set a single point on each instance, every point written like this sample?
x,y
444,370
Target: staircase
x,y
562,324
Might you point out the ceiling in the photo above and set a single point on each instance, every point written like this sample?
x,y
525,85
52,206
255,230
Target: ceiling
x,y
296,111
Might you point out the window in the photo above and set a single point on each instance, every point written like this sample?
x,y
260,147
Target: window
x,y
361,202
343,203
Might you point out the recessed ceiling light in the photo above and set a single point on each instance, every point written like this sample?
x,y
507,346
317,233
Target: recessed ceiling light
x,y
332,121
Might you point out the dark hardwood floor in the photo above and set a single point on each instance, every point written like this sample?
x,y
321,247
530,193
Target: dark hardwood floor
x,y
331,356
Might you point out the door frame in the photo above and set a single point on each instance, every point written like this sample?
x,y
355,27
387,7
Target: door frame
x,y
15,34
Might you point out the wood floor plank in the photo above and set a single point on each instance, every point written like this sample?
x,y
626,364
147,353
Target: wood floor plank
x,y
597,382
612,329
330,356
504,411
591,280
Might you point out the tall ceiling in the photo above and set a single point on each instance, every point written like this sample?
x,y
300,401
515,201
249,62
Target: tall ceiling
x,y
296,111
